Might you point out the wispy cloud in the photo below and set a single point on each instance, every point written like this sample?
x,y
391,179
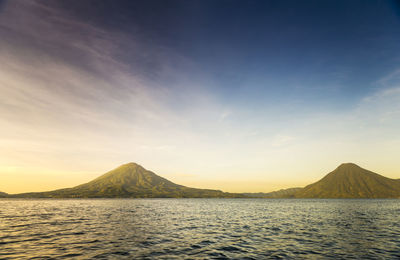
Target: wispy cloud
x,y
80,91
76,97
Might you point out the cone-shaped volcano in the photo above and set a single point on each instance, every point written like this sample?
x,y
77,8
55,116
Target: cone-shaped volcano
x,y
130,181
351,181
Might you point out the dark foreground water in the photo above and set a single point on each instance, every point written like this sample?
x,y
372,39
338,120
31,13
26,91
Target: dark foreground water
x,y
199,228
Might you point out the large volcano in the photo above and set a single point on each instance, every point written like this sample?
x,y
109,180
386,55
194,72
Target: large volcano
x,y
130,181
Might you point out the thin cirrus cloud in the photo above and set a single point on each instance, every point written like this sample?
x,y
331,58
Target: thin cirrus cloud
x,y
78,99
65,94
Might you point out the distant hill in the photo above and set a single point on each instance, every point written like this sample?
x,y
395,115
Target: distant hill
x,y
130,181
351,181
3,194
283,193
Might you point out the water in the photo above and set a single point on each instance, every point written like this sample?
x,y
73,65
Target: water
x,y
199,229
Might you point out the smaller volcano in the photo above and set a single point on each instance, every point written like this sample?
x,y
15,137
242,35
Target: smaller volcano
x,y
351,181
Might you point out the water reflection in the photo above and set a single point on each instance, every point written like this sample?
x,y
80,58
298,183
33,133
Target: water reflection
x,y
199,228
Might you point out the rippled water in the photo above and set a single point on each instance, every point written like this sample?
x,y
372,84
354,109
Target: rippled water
x,y
199,228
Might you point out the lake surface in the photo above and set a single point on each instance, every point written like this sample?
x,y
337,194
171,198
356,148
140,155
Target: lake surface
x,y
199,229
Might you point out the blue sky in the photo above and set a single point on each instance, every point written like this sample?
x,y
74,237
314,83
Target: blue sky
x,y
217,94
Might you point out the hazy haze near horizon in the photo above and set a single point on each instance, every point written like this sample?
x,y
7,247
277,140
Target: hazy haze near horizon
x,y
232,95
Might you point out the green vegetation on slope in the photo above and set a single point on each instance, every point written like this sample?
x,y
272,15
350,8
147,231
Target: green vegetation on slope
x,y
351,181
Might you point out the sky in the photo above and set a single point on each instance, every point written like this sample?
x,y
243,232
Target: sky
x,y
241,96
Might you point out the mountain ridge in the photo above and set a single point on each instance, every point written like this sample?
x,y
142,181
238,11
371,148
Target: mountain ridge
x,y
282,193
131,180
